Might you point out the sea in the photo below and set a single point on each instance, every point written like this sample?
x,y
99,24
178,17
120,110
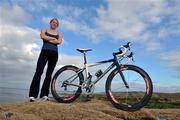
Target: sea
x,y
16,95
13,95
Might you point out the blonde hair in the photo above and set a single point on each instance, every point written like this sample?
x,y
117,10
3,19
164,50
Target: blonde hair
x,y
56,20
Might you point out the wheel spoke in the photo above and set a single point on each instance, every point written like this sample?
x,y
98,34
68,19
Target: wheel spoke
x,y
66,86
129,98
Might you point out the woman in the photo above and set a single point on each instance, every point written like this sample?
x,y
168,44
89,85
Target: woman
x,y
49,54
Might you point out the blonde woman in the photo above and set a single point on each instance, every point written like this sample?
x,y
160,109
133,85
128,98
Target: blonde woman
x,y
49,55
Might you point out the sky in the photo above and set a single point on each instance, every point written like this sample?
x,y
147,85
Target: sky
x,y
153,27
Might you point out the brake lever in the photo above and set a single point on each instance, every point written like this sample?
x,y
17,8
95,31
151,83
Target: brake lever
x,y
133,59
131,55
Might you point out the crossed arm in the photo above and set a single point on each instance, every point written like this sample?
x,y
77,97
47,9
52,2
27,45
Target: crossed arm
x,y
51,39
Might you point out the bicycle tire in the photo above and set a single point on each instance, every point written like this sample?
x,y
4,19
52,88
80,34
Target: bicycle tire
x,y
116,101
54,92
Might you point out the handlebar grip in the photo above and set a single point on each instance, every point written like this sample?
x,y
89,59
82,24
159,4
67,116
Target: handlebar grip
x,y
127,45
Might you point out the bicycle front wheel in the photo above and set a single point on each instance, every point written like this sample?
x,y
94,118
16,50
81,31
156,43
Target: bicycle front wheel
x,y
65,85
133,97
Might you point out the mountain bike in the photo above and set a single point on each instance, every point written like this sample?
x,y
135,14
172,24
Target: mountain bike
x,y
128,87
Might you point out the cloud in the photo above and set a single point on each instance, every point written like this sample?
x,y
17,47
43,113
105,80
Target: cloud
x,y
34,5
13,15
73,12
173,59
77,28
82,29
146,22
140,21
18,46
18,53
69,60
71,20
150,23
137,21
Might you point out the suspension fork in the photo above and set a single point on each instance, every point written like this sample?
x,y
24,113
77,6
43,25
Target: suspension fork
x,y
121,74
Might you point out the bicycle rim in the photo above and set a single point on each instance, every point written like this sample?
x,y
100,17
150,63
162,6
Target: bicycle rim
x,y
62,91
138,93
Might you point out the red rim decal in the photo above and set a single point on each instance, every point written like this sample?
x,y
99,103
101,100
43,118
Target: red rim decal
x,y
147,85
69,98
53,85
112,97
121,69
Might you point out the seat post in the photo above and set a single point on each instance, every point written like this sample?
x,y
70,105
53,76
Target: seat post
x,y
86,67
85,60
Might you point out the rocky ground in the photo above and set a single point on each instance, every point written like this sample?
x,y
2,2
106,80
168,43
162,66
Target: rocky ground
x,y
91,110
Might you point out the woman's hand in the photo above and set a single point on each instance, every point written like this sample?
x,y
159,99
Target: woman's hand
x,y
57,41
54,41
51,39
45,37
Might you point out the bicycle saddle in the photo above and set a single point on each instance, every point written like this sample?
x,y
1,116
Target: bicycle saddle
x,y
82,50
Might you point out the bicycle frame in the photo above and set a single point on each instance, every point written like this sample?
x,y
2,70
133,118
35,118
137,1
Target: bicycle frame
x,y
86,66
106,70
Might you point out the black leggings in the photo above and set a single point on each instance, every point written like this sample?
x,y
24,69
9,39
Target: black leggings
x,y
45,56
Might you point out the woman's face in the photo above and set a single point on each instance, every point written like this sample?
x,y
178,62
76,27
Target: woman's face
x,y
54,24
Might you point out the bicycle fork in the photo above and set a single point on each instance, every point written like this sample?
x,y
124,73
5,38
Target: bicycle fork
x,y
122,76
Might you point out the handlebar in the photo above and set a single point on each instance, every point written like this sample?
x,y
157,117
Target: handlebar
x,y
123,50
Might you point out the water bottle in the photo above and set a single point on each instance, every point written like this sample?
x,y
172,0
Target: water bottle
x,y
98,73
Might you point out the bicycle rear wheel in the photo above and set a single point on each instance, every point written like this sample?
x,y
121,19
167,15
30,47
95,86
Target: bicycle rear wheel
x,y
62,87
136,96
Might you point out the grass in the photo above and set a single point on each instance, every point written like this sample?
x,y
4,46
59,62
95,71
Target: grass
x,y
157,101
164,101
163,105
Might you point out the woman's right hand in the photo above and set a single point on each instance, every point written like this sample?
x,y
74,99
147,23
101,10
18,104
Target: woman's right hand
x,y
45,37
54,41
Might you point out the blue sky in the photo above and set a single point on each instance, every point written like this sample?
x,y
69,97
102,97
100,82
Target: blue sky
x,y
152,26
